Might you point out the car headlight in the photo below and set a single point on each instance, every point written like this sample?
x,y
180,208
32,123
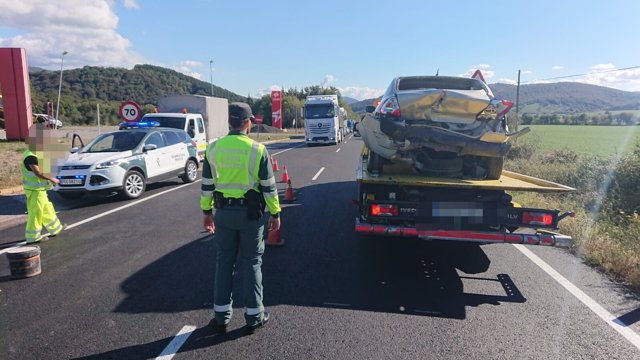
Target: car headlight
x,y
109,164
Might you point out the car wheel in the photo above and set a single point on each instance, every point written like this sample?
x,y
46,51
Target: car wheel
x,y
190,172
494,168
70,195
133,185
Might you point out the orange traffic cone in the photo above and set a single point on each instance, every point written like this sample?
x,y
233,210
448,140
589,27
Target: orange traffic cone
x,y
285,174
274,239
274,163
288,195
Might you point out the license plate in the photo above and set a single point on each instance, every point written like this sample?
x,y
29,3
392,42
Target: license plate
x,y
71,181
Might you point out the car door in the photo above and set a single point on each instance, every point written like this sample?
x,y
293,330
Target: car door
x,y
155,160
201,137
175,150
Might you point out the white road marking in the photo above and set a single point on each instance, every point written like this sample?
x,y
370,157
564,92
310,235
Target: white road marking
x,y
71,226
280,152
338,150
170,351
318,174
618,326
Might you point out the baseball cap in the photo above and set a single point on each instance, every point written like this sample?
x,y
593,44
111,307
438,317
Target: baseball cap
x,y
239,111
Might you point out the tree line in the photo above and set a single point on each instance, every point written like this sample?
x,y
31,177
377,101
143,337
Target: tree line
x,y
605,118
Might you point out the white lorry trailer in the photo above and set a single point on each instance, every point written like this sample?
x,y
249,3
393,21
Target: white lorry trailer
x,y
323,120
204,118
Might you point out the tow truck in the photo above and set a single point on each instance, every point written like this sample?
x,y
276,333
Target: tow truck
x,y
398,202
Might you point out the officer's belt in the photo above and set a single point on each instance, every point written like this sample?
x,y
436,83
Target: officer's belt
x,y
234,202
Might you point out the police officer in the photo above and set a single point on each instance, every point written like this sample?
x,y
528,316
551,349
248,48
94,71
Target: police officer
x,y
237,179
35,182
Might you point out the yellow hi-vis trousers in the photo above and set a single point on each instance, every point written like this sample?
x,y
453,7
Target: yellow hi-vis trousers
x,y
41,213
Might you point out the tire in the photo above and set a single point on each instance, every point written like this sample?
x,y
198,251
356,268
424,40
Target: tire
x,y
190,171
133,185
69,195
494,168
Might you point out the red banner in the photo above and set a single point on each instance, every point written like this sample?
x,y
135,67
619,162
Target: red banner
x,y
276,109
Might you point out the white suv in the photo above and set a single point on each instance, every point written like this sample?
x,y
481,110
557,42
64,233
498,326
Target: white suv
x,y
127,160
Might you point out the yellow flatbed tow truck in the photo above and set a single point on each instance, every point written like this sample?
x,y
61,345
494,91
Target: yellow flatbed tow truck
x,y
398,202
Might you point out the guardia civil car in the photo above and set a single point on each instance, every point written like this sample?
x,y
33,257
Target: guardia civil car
x,y
127,160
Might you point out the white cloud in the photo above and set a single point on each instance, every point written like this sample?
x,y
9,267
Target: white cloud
x,y
507,81
86,29
484,68
610,76
262,92
131,4
186,67
557,67
360,93
527,72
328,79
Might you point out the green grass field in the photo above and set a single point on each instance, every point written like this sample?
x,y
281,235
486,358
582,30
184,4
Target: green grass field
x,y
596,140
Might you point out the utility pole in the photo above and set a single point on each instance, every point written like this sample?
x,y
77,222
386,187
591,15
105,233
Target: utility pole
x,y
59,88
211,70
518,101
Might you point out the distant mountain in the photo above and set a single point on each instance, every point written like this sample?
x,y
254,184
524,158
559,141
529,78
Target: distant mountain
x,y
349,100
557,98
83,88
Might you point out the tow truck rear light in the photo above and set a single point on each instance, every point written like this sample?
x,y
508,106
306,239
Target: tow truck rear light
x,y
384,210
537,218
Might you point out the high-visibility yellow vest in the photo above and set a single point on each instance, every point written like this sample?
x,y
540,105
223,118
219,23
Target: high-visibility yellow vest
x,y
235,161
29,180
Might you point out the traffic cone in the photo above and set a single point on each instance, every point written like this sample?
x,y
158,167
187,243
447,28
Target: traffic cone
x,y
274,239
285,174
288,195
274,163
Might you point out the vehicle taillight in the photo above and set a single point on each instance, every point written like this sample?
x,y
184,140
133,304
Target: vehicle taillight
x,y
389,107
504,107
537,218
384,210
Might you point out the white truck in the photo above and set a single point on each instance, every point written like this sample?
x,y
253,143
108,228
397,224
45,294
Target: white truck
x,y
323,120
204,118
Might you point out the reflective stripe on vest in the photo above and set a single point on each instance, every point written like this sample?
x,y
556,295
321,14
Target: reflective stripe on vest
x,y
30,181
233,172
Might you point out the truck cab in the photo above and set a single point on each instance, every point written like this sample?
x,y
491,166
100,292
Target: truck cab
x,y
323,120
193,124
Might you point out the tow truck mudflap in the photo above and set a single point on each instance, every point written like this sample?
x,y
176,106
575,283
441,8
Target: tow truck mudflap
x,y
541,237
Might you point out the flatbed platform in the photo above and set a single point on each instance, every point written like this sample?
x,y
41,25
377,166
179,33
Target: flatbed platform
x,y
404,175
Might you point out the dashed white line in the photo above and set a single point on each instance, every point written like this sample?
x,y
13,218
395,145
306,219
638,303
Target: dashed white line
x,y
338,150
280,152
618,326
318,174
170,351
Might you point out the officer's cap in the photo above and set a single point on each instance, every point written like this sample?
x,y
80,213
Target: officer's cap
x,y
239,111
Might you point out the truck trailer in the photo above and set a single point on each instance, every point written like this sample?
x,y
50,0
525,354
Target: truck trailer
x,y
400,202
204,118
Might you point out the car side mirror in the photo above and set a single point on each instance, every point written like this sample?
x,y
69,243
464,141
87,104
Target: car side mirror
x,y
74,150
370,109
149,147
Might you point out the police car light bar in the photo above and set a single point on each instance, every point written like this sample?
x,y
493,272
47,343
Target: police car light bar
x,y
139,124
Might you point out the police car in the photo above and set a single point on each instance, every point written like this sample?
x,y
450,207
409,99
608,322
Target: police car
x,y
127,160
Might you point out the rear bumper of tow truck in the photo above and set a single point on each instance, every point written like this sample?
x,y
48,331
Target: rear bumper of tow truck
x,y
537,237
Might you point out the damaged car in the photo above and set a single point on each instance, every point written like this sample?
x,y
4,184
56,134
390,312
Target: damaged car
x,y
444,126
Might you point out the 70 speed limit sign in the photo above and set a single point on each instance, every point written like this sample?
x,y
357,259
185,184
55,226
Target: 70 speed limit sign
x,y
130,111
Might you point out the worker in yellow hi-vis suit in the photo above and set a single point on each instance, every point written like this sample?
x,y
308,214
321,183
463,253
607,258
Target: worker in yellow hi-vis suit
x,y
36,180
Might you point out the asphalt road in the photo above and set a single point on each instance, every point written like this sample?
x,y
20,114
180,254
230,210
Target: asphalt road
x,y
123,285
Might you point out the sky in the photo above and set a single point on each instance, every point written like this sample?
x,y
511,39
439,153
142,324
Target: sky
x,y
251,47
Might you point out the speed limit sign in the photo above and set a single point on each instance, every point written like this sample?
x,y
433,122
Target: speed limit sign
x,y
130,111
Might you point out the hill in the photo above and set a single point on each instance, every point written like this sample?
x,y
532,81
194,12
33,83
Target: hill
x,y
558,98
349,100
85,87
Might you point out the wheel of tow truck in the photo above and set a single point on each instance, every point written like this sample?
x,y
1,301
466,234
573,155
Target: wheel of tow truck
x,y
494,168
133,185
375,163
190,172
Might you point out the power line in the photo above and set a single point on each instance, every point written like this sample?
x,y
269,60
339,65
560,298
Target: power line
x,y
589,73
